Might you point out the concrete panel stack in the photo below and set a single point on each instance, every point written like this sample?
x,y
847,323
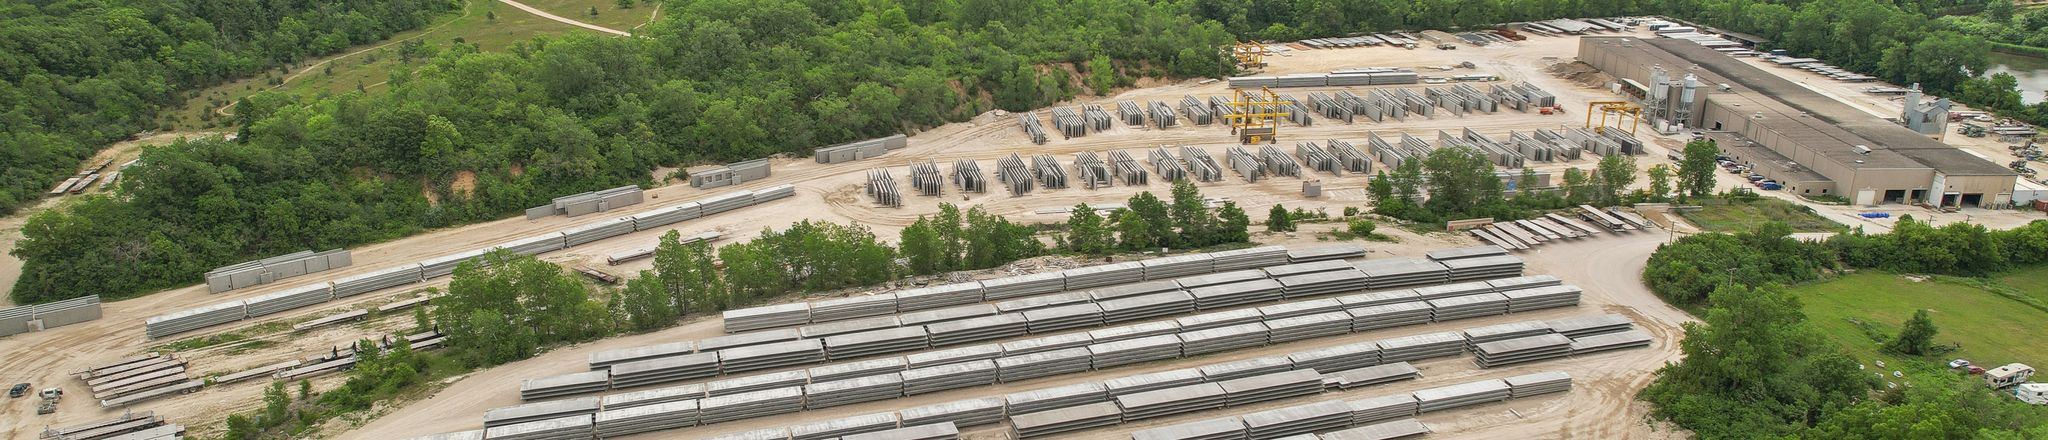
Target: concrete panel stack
x,y
1318,158
1346,279
1104,275
1130,113
1466,252
758,382
1469,306
749,405
374,281
1460,395
947,314
882,187
649,418
1123,166
1324,253
1338,358
1523,282
1023,285
1330,108
582,406
1171,401
1391,273
538,244
1403,428
193,319
1299,419
986,328
1610,341
1542,298
857,150
1032,129
1179,266
1366,411
1245,368
945,295
1166,165
850,370
781,433
853,307
1270,387
938,431
14,320
444,265
1094,173
954,355
1011,171
1502,332
1048,171
1589,325
1309,327
748,339
1277,162
680,393
1302,308
1161,114
1452,290
1312,267
1522,350
604,229
1133,289
1147,306
938,378
724,202
276,268
1484,267
971,412
926,178
564,428
833,328
1245,164
1098,119
1043,364
1153,381
287,300
1134,331
1422,346
661,370
874,342
1047,343
1220,278
1236,294
1538,384
563,385
1134,351
1064,317
1248,258
1226,428
828,394
1389,315
1046,423
1374,375
1069,122
1222,339
1200,165
1197,112
1221,319
967,176
756,318
766,356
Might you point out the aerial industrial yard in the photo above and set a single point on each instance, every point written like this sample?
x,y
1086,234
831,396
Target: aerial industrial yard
x,y
1047,340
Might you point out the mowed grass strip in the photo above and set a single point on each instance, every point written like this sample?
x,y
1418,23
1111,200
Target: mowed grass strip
x,y
1740,216
1993,330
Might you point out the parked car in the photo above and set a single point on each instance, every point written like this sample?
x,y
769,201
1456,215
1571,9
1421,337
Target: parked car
x,y
1756,177
1771,186
20,389
1958,363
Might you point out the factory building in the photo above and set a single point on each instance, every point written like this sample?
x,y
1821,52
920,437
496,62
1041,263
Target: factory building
x,y
1809,142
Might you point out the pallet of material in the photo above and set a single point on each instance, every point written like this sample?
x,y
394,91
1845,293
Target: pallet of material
x,y
970,412
1212,429
1403,428
1373,375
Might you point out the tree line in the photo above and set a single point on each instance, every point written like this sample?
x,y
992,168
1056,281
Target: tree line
x,y
1147,223
1457,183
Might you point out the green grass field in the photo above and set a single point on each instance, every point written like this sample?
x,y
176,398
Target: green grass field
x,y
1993,330
1721,216
608,12
2030,282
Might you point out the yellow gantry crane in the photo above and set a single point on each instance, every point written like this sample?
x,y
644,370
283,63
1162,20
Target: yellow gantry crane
x,y
1622,110
1256,117
1249,55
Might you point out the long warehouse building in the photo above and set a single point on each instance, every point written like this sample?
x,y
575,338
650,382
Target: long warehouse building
x,y
1807,141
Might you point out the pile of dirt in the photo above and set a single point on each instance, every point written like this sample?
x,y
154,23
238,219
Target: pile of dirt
x,y
1580,72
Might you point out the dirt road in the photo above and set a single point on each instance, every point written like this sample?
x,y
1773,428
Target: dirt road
x,y
546,15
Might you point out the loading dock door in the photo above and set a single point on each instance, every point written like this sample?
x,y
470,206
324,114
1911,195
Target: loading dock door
x,y
1951,199
1973,200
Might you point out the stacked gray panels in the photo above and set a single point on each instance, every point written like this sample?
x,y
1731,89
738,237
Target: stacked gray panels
x,y
1166,165
583,406
476,434
1484,267
1178,266
1064,317
1299,419
1542,298
1610,341
1043,364
691,392
1380,298
1269,387
1309,327
758,434
1539,383
748,339
1220,278
668,369
535,245
1390,315
1010,171
1130,112
933,297
1248,258
1125,166
758,382
853,307
949,376
1301,308
757,318
954,355
724,202
1200,164
287,300
1041,424
194,319
666,215
1171,401
849,370
1352,159
1226,428
851,391
1161,114
1032,129
1153,381
751,404
1522,350
1047,343
1146,306
1224,338
1104,275
1047,399
1502,332
15,320
775,355
600,230
938,431
967,175
1305,268
374,281
1224,318
835,328
1384,431
1023,285
971,412
1402,272
1466,252
1133,351
1133,331
1235,294
649,418
1245,368
1042,301
564,428
1469,306
1133,289
1338,358
947,314
987,328
1373,375
1523,282
874,342
1422,346
1589,325
1375,409
1196,110
563,385
1344,279
1465,394
1452,290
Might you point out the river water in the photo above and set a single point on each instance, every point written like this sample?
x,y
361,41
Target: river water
x,y
2031,72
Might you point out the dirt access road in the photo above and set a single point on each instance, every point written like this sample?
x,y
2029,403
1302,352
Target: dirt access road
x,y
546,15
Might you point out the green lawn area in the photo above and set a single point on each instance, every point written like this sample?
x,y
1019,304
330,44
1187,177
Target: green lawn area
x,y
1993,330
2030,282
1727,216
608,12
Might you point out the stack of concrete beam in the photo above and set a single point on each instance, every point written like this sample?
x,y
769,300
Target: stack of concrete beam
x,y
1304,268
1124,166
1542,298
1064,317
1140,307
1032,129
1200,166
946,295
1324,253
1070,123
855,390
1373,375
1220,278
1043,364
1221,319
882,187
1047,343
1166,165
1589,325
1484,267
14,320
600,230
849,370
1161,114
853,307
756,318
1134,351
679,393
1248,258
374,281
925,177
1104,275
1469,306
1538,383
724,202
1171,401
1390,315
781,433
1270,387
971,412
1523,282
1452,290
1245,163
1277,162
954,355
1023,285
1422,346
1046,423
1465,394
1153,381
949,376
668,369
1522,350
986,328
1226,428
1403,428
1133,289
563,428
1610,341
1338,358
270,270
748,339
758,382
1366,411
1235,294
1130,113
956,313
857,325
194,319
717,409
1043,301
582,406
564,385
667,215
1196,110
936,431
1466,252
648,418
874,342
1048,171
1094,173
967,176
1298,419
1221,339
287,300
1343,279
1098,119
1133,331
1261,366
1046,399
1502,332
1309,326
1390,273
775,355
